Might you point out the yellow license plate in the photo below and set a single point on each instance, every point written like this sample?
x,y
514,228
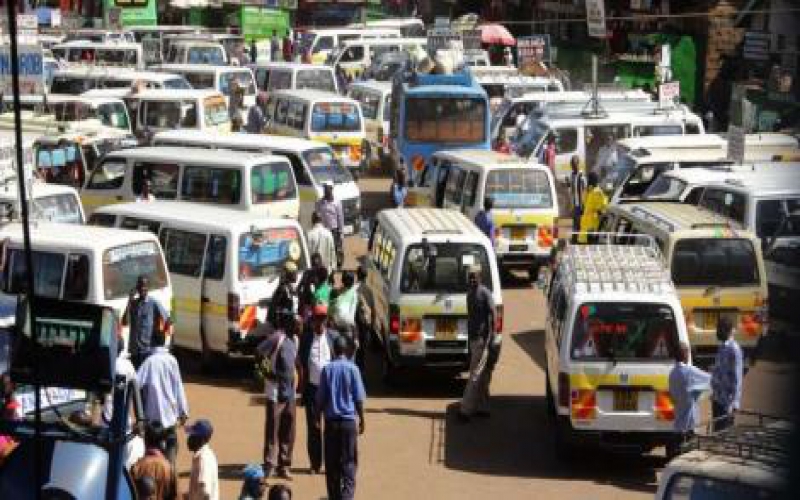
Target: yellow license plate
x,y
446,329
710,319
626,400
518,233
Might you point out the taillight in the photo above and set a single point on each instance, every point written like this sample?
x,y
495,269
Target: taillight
x,y
750,323
664,409
583,403
545,236
498,319
563,389
248,318
394,320
234,307
418,163
411,330
355,153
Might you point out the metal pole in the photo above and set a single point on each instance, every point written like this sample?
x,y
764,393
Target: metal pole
x,y
26,238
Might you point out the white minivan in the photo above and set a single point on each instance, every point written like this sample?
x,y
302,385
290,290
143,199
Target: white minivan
x,y
224,265
258,183
156,110
219,78
287,76
313,164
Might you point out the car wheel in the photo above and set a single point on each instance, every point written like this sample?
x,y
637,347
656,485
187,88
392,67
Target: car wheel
x,y
533,273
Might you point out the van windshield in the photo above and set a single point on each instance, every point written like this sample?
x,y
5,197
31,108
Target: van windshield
x,y
665,187
272,182
216,111
610,331
442,267
519,188
263,253
325,167
244,78
179,83
64,207
319,79
206,55
335,117
123,265
710,262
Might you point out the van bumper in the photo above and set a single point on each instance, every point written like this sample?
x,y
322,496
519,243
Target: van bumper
x,y
522,260
620,441
451,359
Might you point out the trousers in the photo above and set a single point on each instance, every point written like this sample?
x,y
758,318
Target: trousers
x,y
314,441
341,458
279,433
481,366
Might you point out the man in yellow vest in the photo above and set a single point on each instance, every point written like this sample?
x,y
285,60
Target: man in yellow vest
x,y
594,203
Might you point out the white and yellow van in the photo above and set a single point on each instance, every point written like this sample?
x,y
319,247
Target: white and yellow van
x,y
417,262
322,41
48,202
355,56
274,76
219,78
111,82
257,183
223,264
375,99
157,110
83,264
525,209
313,164
613,329
320,116
717,267
183,51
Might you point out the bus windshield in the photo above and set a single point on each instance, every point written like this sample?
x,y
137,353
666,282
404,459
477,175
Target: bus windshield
x,y
443,120
624,331
325,167
335,117
122,265
263,253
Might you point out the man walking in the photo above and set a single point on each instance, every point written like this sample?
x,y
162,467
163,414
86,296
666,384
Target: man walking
x,y
316,351
686,384
146,316
275,47
280,353
344,309
320,240
484,221
340,398
163,396
484,348
726,378
332,217
577,188
204,476
285,297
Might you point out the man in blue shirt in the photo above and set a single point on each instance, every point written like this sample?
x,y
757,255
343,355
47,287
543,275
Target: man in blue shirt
x,y
484,219
686,384
145,315
340,397
726,378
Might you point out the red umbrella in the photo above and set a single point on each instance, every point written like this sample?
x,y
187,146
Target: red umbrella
x,y
496,34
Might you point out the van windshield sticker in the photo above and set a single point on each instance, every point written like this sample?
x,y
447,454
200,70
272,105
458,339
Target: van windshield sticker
x,y
130,251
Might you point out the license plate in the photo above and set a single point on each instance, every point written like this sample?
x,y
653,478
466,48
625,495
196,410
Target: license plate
x,y
518,248
710,320
626,400
446,329
518,233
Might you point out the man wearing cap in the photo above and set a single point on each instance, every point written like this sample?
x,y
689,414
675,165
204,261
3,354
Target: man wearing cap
x,y
332,217
340,398
483,347
280,353
316,351
204,477
253,485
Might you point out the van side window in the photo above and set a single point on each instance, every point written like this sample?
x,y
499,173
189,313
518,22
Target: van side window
x,y
567,140
471,190
726,203
299,170
271,182
280,80
353,54
137,224
693,198
109,175
76,283
102,220
215,185
282,111
455,186
215,258
47,278
296,115
262,78
161,114
163,179
183,251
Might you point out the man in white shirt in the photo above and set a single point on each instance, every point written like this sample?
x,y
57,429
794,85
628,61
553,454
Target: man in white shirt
x,y
204,477
320,240
316,351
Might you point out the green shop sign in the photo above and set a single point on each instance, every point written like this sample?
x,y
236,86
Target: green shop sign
x,y
258,23
132,16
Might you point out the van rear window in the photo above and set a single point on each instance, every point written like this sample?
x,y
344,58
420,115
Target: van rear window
x,y
442,267
335,117
272,182
714,262
624,331
317,79
522,188
211,185
123,265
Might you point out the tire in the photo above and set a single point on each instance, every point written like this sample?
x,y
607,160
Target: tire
x,y
533,273
565,451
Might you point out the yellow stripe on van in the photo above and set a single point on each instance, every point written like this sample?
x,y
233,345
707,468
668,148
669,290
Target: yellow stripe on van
x,y
416,311
340,141
586,381
744,301
93,201
308,194
191,305
510,219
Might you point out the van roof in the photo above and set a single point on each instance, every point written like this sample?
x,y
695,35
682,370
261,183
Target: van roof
x,y
169,94
235,141
485,157
113,73
74,236
197,215
671,217
693,141
385,41
429,222
111,44
582,96
313,95
373,85
291,65
220,158
9,190
201,68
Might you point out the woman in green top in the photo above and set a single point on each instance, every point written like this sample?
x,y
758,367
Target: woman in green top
x,y
322,292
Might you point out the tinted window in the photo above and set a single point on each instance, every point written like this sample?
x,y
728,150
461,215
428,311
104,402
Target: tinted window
x,y
771,213
206,55
279,80
183,251
726,203
296,115
443,268
177,83
271,182
370,104
64,207
71,86
162,114
76,283
137,224
211,185
124,264
47,278
102,220
244,78
215,258
335,117
201,80
686,487
624,330
714,262
109,175
319,79
522,188
163,179
446,120
566,140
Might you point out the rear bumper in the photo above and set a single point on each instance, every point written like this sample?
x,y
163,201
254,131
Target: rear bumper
x,y
623,441
449,355
522,259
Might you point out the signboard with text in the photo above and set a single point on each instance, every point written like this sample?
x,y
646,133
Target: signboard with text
x,y
669,92
31,69
533,49
596,18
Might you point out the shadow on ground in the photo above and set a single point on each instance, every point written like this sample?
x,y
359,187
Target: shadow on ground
x,y
532,342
